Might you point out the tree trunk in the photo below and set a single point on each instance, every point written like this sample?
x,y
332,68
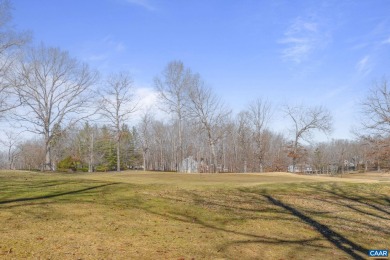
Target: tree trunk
x,y
90,164
48,166
366,166
213,156
180,145
294,163
118,157
10,159
144,160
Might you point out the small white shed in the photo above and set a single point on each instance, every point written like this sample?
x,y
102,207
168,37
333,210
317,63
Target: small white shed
x,y
189,165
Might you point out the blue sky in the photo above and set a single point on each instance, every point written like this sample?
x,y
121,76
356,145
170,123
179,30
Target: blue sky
x,y
298,52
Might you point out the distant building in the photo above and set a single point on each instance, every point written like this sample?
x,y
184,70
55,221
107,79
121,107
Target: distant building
x,y
304,168
349,166
189,165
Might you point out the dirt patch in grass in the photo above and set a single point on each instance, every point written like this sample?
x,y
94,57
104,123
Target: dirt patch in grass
x,y
175,216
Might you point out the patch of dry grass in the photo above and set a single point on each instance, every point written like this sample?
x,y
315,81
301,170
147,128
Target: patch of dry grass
x,y
182,216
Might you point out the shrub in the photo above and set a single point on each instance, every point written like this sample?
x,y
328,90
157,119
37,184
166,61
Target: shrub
x,y
69,163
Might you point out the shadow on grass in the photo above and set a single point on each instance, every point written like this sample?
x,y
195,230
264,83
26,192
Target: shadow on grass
x,y
369,203
252,238
48,196
335,238
337,192
172,211
263,199
247,204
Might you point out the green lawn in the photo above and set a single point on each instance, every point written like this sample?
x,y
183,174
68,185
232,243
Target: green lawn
x,y
136,215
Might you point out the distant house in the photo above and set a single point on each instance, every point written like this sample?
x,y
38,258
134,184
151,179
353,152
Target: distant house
x,y
305,168
349,166
189,165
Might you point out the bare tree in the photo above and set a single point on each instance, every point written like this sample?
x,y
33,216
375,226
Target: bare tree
x,y
173,89
277,157
305,120
86,138
10,46
144,129
259,115
376,109
31,154
210,114
11,142
376,151
117,104
54,90
243,141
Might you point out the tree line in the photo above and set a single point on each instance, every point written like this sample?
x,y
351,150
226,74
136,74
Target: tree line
x,y
81,121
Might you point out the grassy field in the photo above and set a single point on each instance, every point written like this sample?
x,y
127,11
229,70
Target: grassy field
x,y
136,215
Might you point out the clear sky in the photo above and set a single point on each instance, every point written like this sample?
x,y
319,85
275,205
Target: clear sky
x,y
312,52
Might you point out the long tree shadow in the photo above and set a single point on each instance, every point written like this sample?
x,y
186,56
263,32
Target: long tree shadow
x,y
372,206
199,200
341,242
334,237
48,196
371,227
253,238
193,218
356,202
336,191
355,208
346,204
